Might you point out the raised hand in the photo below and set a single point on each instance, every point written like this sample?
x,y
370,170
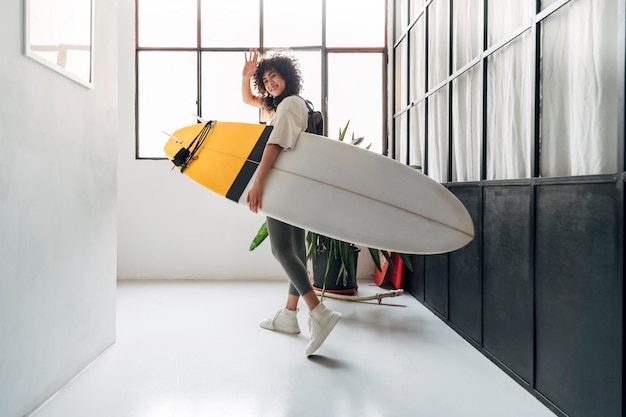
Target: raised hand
x,y
251,57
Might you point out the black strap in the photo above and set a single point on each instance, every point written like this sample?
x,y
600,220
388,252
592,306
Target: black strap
x,y
309,104
184,156
249,167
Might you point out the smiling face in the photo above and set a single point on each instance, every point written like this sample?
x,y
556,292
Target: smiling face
x,y
274,83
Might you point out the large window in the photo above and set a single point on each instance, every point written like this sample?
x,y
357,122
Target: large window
x,y
190,53
505,90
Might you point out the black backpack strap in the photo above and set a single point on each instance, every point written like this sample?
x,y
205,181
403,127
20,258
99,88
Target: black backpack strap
x,y
315,122
309,104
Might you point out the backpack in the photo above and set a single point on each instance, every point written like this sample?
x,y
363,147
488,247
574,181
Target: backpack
x,y
316,119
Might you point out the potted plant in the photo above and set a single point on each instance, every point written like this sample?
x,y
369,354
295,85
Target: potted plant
x,y
334,263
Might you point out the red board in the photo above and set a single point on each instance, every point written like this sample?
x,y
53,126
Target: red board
x,y
394,276
390,277
379,276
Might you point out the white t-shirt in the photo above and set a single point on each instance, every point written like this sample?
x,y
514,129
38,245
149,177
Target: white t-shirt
x,y
291,118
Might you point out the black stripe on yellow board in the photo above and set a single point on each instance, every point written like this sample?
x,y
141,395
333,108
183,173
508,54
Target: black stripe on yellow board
x,y
249,167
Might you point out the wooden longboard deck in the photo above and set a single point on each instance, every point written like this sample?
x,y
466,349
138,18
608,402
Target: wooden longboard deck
x,y
379,296
332,188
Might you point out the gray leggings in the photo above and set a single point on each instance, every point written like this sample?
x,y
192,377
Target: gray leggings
x,y
289,248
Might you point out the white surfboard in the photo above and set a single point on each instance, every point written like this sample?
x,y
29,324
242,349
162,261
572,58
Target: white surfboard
x,y
333,188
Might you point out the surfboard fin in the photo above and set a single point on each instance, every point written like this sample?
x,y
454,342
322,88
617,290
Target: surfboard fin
x,y
200,119
177,140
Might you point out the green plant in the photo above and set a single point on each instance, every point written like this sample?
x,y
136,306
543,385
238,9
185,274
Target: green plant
x,y
344,252
337,250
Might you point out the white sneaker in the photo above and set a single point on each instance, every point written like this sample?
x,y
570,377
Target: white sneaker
x,y
284,320
321,321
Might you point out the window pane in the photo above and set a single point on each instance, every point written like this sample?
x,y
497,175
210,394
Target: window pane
x,y
288,25
400,138
221,88
349,100
509,104
467,93
438,42
401,78
417,136
349,24
164,23
467,21
417,60
438,135
505,17
167,97
230,23
546,3
401,19
416,6
311,70
579,102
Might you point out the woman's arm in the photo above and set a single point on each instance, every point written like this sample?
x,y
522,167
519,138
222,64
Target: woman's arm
x,y
255,195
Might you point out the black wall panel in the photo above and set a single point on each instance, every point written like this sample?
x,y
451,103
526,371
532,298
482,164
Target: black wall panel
x,y
436,283
507,279
578,298
465,280
413,281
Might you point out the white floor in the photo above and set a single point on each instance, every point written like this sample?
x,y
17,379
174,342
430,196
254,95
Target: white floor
x,y
194,348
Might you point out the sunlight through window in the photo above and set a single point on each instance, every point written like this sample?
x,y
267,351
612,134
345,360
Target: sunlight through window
x,y
190,54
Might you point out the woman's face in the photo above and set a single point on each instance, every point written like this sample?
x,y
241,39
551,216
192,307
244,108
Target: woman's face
x,y
274,83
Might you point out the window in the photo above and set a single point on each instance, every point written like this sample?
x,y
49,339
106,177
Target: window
x,y
494,90
579,107
189,56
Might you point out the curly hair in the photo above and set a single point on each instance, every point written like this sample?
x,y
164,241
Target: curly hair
x,y
288,68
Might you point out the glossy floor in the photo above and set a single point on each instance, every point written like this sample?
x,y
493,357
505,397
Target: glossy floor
x,y
195,348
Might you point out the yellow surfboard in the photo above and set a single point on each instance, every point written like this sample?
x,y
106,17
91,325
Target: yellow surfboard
x,y
329,187
221,163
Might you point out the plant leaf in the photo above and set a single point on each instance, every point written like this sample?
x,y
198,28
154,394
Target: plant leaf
x,y
407,261
357,141
342,133
376,258
260,237
387,256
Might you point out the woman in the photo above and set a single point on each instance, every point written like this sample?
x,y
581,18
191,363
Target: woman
x,y
278,81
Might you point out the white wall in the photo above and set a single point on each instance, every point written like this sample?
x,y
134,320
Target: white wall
x,y
169,226
57,215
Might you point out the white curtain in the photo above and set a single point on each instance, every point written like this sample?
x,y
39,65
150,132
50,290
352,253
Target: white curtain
x,y
417,135
505,16
438,42
438,135
579,94
578,111
509,106
416,66
467,29
401,76
400,140
402,14
467,94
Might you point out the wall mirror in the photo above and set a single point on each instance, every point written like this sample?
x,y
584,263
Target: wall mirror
x,y
59,34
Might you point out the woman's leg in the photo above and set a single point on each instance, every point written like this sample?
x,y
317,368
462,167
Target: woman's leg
x,y
288,247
